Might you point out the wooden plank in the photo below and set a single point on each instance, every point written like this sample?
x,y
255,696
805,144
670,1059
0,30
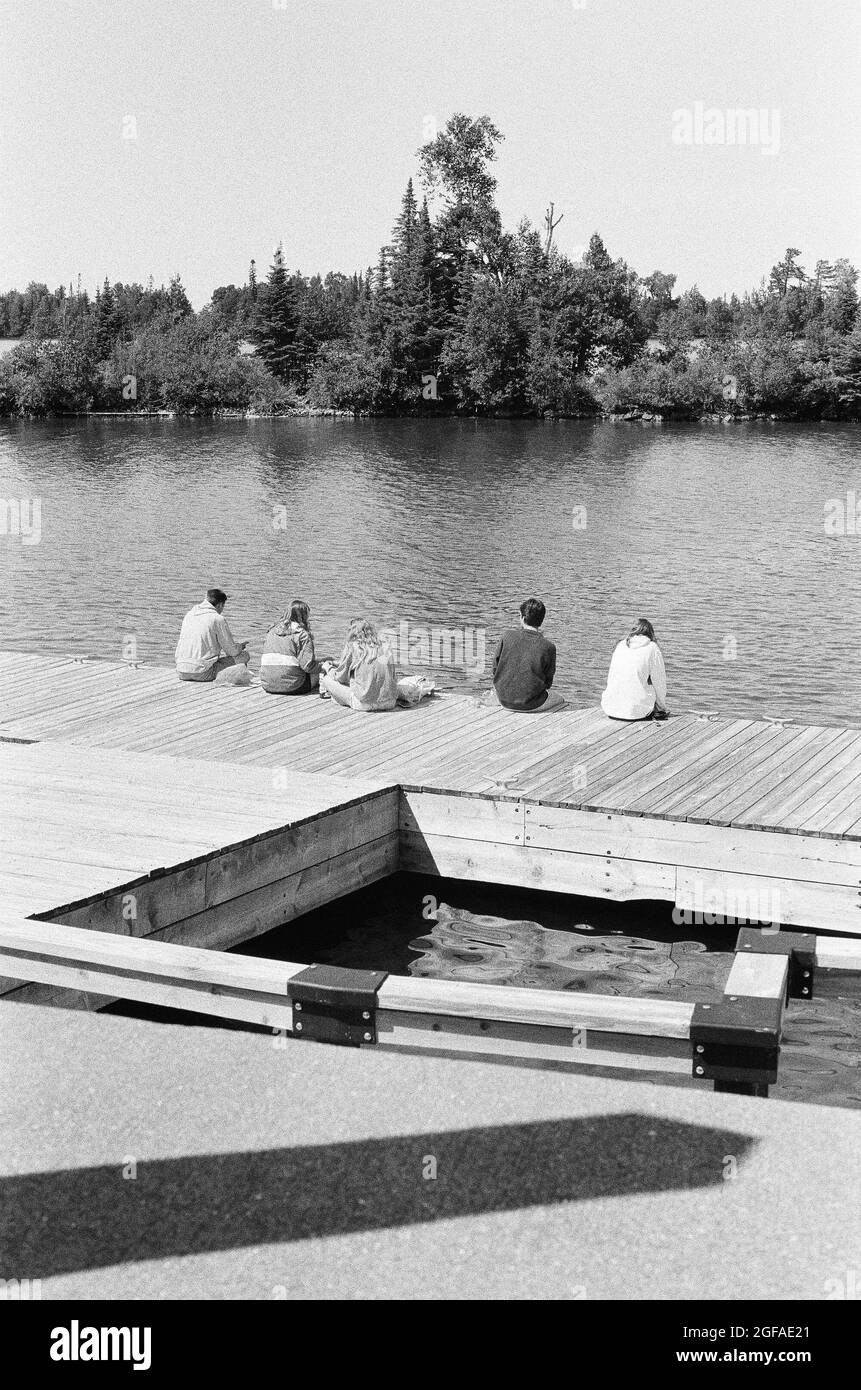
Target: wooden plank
x,y
231,922
747,896
766,810
664,1018
239,919
651,1018
227,810
494,759
151,769
622,880
836,953
502,821
621,747
653,742
265,1009
758,976
838,812
470,729
809,793
477,1039
749,769
421,725
237,871
689,844
140,905
672,793
672,766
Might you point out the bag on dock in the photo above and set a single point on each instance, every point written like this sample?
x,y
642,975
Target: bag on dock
x,y
413,689
234,675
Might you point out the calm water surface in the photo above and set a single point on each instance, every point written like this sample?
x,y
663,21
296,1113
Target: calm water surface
x,y
715,533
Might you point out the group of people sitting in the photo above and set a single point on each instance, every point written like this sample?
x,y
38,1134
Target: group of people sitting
x,y
365,677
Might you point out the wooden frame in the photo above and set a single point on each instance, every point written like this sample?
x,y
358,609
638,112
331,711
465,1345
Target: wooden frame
x,y
444,1017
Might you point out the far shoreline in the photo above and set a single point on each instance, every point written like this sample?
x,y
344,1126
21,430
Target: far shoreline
x,y
629,417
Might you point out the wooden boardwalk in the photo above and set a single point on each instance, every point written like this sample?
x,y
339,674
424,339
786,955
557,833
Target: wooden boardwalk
x,y
707,813
754,774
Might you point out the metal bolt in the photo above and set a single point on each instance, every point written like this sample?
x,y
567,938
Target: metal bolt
x,y
699,1071
297,1027
807,974
298,1008
700,1047
367,1036
365,1014
805,990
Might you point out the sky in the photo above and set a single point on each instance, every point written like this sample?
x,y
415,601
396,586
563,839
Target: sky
x,y
150,137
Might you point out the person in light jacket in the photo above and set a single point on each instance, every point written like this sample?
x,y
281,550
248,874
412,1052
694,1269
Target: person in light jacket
x,y
206,645
365,678
289,665
637,681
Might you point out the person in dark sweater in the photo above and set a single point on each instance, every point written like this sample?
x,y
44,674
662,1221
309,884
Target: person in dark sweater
x,y
525,664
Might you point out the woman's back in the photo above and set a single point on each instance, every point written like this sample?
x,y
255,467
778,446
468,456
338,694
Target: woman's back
x,y
373,679
637,681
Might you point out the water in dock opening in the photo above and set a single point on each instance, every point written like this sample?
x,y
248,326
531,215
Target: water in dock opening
x,y
491,934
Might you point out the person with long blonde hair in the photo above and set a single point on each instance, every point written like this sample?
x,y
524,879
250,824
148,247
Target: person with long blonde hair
x,y
365,678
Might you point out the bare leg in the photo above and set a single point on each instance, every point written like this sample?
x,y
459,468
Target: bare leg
x,y
338,692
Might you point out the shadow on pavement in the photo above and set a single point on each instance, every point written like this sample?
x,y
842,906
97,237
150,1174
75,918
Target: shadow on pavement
x,y
84,1218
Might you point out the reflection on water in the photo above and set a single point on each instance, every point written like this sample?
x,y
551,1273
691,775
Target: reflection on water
x,y
716,534
493,935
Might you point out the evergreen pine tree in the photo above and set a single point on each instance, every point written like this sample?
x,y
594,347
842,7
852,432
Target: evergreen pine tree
x,y
275,330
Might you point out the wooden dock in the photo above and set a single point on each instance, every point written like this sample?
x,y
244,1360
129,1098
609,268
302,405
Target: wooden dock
x,y
116,775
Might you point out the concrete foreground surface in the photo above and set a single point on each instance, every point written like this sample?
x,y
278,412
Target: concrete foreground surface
x,y
143,1159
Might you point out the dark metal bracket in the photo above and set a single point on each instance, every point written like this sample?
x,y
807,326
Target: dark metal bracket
x,y
799,946
335,1005
736,1042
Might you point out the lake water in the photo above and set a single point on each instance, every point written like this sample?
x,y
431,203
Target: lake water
x,y
716,533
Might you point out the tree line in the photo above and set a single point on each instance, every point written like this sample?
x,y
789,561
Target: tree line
x,y
459,315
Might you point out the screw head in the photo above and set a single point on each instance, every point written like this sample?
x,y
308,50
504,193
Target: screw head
x,y
367,1037
365,1014
297,1027
699,1071
700,1047
298,1008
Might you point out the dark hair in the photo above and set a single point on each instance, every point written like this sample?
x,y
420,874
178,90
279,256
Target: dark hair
x,y
215,597
300,613
642,628
532,612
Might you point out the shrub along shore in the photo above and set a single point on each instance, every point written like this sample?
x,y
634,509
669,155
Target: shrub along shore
x,y
458,317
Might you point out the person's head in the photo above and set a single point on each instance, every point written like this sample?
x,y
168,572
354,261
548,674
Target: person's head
x,y
217,597
642,628
532,612
363,637
300,613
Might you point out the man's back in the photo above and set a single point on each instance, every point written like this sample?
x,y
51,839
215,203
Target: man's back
x,y
523,668
204,635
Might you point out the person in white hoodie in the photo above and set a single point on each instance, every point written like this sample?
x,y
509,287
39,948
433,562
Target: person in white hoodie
x,y
637,681
206,645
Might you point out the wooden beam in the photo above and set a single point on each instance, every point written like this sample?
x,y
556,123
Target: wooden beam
x,y
758,977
